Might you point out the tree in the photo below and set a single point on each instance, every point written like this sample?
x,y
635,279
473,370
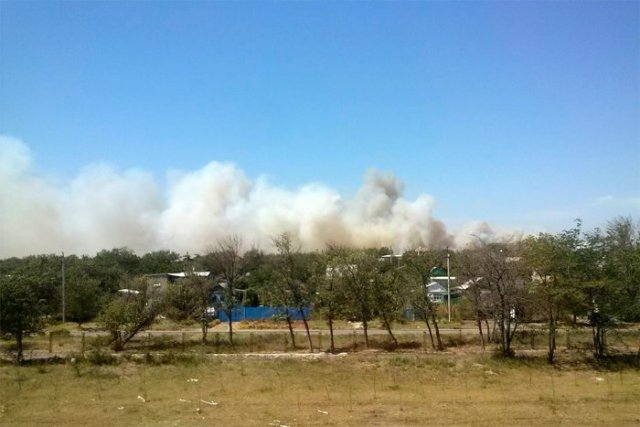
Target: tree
x,y
552,264
599,293
622,265
226,262
358,269
181,301
500,269
416,274
292,288
201,287
160,262
329,293
84,298
131,310
386,295
110,267
467,261
20,308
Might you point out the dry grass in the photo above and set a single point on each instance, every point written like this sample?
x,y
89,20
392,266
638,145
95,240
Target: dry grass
x,y
363,389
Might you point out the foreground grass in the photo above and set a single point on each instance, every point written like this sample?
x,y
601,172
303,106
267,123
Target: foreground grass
x,y
360,389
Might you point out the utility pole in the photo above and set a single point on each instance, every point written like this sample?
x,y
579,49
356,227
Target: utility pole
x,y
64,317
448,286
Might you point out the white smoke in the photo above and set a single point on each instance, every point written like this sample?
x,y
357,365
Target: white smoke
x,y
104,208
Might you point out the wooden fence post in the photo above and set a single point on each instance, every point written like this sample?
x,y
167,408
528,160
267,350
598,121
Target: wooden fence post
x,y
50,342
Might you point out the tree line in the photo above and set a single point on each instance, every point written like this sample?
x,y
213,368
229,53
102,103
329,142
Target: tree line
x,y
575,276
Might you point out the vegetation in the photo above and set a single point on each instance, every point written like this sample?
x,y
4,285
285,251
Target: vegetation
x,y
563,279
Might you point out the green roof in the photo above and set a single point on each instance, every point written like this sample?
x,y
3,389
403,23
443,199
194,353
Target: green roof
x,y
438,271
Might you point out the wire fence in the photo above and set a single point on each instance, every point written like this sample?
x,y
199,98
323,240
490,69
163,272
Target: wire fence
x,y
65,343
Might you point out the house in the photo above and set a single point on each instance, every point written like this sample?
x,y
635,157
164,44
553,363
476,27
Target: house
x,y
440,284
437,293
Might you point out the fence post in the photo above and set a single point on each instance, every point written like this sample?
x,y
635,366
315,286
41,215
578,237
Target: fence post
x,y
354,339
50,342
83,343
148,341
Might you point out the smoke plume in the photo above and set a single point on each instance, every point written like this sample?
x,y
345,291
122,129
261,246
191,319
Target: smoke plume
x,y
102,208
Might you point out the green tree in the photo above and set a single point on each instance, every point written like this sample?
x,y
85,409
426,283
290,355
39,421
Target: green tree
x,y
20,308
622,265
131,310
327,278
84,298
110,267
552,263
387,295
160,262
358,269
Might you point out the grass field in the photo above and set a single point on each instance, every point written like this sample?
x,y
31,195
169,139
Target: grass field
x,y
367,388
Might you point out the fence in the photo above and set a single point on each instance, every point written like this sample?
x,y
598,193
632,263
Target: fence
x,y
263,313
249,341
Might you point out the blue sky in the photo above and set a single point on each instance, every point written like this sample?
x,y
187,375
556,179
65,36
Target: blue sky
x,y
524,114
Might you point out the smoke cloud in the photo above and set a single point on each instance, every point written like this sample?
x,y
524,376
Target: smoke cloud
x,y
102,208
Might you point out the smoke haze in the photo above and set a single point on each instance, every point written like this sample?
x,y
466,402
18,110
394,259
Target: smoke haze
x,y
102,208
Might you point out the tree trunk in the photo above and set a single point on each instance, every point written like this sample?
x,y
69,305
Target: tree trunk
x,y
480,331
552,338
205,330
433,344
490,332
598,340
293,337
434,320
306,328
230,327
333,347
387,325
19,356
365,325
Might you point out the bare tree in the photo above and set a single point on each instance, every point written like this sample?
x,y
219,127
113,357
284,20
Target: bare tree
x,y
292,289
467,262
416,274
226,262
502,272
201,287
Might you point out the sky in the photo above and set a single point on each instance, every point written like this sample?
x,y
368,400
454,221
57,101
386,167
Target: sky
x,y
500,115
